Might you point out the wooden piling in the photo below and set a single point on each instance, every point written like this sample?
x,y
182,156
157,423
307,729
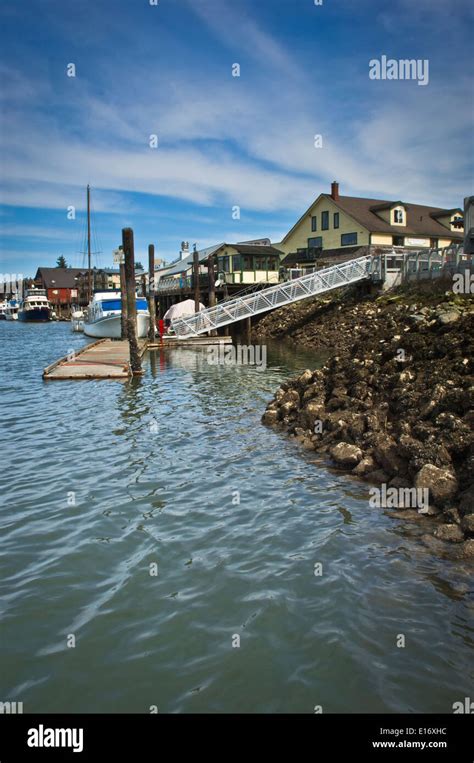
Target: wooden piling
x,y
129,252
197,293
212,286
151,292
123,290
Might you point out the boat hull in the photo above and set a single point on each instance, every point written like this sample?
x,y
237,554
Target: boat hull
x,y
11,316
110,327
35,315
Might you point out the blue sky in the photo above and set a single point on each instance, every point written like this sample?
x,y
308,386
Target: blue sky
x,y
223,141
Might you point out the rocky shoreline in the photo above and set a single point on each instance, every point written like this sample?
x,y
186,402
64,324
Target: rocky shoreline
x,y
394,403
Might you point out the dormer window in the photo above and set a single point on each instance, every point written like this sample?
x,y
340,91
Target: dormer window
x,y
398,216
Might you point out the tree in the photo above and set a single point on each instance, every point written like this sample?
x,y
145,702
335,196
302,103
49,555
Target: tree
x,y
61,262
139,266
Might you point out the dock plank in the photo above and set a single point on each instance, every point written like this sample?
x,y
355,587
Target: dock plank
x,y
104,359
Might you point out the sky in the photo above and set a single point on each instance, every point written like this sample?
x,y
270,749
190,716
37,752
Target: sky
x,y
166,69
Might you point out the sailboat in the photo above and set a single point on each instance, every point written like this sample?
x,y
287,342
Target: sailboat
x,y
103,316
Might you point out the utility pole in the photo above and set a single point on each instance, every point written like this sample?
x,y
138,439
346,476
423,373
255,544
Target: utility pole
x,y
129,252
197,293
151,292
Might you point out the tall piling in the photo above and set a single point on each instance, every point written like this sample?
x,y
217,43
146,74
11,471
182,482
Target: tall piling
x,y
123,294
212,286
197,292
129,252
151,292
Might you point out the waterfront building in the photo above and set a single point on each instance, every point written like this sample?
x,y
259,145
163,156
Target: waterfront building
x,y
61,285
338,228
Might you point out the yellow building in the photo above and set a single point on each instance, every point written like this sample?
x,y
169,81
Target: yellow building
x,y
248,263
341,227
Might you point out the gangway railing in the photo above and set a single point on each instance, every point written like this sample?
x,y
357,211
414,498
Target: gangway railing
x,y
342,274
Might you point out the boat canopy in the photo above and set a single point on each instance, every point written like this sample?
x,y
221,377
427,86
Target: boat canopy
x,y
116,304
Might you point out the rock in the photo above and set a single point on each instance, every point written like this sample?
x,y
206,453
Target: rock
x,y
450,533
305,378
441,483
452,516
365,466
386,454
345,454
378,477
312,412
466,549
448,316
467,524
270,417
466,504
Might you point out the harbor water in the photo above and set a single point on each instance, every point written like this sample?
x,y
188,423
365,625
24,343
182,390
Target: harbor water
x,y
162,549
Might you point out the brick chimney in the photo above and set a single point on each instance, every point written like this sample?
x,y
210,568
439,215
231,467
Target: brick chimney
x,y
334,190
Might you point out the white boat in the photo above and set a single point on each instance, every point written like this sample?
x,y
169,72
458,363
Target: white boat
x,y
3,307
77,319
11,311
35,307
104,316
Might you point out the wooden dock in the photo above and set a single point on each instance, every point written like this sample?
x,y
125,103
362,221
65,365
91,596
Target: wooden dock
x,y
193,341
104,359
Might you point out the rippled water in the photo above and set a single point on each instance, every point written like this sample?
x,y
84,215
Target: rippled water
x,y
153,467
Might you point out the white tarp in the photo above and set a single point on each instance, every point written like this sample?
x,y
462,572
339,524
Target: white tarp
x,y
181,309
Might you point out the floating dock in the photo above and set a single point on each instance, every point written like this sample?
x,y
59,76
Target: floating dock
x,y
104,359
195,341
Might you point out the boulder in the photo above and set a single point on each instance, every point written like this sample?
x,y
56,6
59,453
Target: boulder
x,y
467,524
346,455
448,316
270,417
450,533
441,483
365,466
386,454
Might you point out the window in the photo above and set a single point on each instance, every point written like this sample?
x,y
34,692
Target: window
x,y
398,240
325,221
314,224
247,264
348,239
273,263
223,264
336,219
236,262
398,216
315,243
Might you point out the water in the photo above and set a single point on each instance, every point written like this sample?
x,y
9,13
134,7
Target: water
x,y
225,569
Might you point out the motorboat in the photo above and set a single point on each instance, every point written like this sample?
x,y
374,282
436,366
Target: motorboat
x,y
104,316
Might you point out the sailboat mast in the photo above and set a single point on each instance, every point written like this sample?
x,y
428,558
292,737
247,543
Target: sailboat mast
x,y
89,280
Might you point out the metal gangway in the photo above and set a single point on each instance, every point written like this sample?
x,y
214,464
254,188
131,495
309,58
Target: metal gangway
x,y
310,285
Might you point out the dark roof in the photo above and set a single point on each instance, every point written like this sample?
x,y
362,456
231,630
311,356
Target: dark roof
x,y
58,278
421,220
254,249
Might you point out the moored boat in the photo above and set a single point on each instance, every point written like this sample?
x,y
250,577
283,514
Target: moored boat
x,y
104,316
35,307
11,310
77,319
3,307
